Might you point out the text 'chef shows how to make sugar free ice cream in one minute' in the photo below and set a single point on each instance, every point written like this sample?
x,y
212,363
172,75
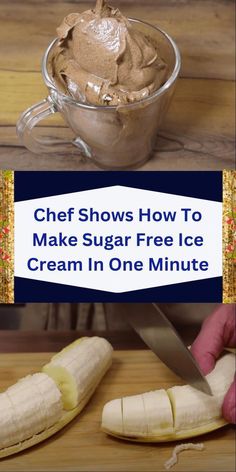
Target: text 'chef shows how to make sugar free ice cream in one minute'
x,y
102,59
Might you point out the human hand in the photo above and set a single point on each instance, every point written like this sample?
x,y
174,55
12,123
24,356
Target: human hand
x,y
218,332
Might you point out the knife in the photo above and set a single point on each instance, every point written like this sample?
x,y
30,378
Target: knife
x,y
161,337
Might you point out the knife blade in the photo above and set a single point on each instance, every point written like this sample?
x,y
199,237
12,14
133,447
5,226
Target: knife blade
x,y
162,338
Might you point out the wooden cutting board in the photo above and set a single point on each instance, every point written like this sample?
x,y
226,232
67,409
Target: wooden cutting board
x,y
81,446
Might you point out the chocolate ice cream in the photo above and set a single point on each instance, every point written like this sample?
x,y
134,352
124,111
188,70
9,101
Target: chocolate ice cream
x,y
111,71
101,59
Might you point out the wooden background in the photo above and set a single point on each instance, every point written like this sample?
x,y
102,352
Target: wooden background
x,y
83,447
198,132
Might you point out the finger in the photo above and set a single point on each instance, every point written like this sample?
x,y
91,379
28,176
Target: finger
x,y
218,331
229,405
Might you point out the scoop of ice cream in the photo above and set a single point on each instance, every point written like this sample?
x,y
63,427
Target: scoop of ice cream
x,y
103,60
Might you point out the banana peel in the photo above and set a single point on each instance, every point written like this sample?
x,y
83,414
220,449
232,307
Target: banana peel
x,y
177,436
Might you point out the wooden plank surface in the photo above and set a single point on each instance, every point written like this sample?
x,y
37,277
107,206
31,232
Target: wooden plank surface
x,y
81,446
198,132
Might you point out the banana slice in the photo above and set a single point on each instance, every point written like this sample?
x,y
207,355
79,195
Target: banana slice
x,y
178,413
75,370
30,406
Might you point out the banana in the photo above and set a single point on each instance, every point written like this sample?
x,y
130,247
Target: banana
x,y
30,406
33,409
76,369
201,408
178,413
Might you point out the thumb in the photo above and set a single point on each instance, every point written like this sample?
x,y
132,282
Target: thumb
x,y
229,405
217,332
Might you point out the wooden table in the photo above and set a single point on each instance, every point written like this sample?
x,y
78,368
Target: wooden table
x,y
198,132
82,446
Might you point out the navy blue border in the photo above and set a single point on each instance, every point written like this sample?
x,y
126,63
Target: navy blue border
x,y
197,184
201,291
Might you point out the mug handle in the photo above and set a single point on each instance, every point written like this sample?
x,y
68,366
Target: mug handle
x,y
31,117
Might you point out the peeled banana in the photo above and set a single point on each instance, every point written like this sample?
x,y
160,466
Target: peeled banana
x,y
75,370
34,408
30,406
176,413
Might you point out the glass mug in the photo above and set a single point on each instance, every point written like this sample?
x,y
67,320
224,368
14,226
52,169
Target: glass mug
x,y
112,137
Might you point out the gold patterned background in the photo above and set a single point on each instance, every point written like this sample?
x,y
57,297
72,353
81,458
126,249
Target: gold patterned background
x,y
6,236
229,237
